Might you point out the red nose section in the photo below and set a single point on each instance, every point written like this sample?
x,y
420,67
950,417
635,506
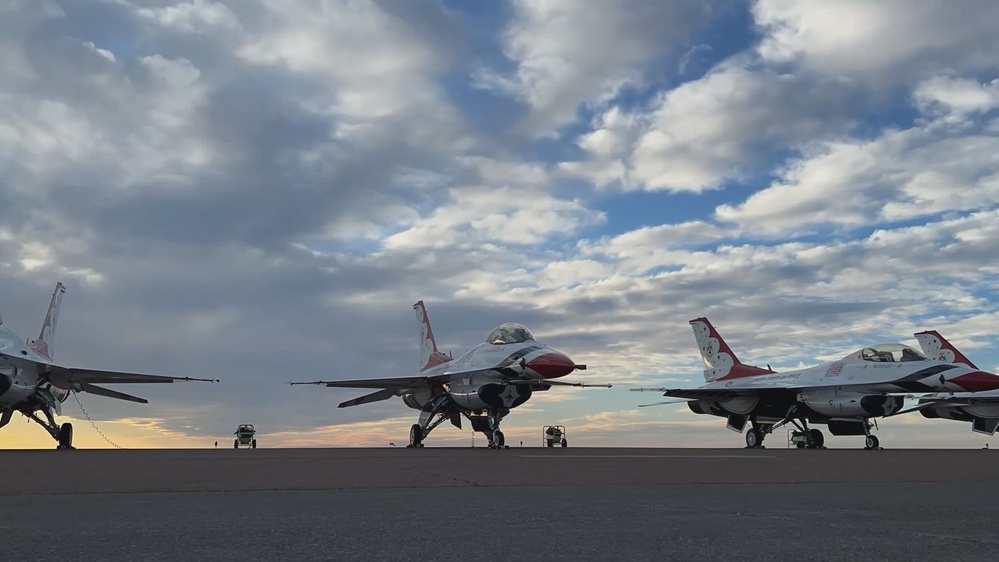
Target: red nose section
x,y
977,381
551,365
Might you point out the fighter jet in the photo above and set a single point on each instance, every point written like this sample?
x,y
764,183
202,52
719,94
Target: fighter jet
x,y
979,408
30,382
482,385
845,394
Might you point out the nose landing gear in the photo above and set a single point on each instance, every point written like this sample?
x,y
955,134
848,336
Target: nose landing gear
x,y
871,442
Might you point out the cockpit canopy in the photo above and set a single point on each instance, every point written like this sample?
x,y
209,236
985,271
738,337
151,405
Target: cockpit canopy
x,y
511,332
887,353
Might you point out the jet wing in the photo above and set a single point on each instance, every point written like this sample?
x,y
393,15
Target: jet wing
x,y
64,377
559,383
698,393
402,383
665,403
389,388
378,396
946,400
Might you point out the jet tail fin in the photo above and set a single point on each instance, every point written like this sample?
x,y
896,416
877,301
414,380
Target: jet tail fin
x,y
430,356
45,343
937,347
720,361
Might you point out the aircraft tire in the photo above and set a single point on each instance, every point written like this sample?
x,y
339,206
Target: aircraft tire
x,y
498,439
565,443
416,435
66,436
253,444
817,439
871,442
754,438
235,443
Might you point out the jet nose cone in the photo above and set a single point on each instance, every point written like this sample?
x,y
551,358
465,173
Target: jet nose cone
x,y
551,365
977,381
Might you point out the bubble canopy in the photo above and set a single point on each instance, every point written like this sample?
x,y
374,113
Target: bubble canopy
x,y
510,332
887,353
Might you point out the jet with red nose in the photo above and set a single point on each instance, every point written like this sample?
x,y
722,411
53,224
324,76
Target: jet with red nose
x,y
482,385
551,365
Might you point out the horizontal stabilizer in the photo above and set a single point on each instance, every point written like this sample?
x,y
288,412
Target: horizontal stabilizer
x,y
100,391
373,397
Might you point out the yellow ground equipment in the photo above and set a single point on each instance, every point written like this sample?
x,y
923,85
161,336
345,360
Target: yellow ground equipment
x,y
553,434
245,436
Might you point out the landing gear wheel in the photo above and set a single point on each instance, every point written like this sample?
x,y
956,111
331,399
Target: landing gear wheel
x,y
871,442
816,438
498,440
65,436
253,444
416,435
565,443
754,438
235,444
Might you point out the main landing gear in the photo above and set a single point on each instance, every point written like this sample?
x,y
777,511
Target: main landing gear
x,y
488,423
442,409
63,434
756,434
801,436
804,438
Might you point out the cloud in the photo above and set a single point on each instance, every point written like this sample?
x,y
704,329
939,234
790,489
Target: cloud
x,y
199,16
944,163
724,126
569,54
879,42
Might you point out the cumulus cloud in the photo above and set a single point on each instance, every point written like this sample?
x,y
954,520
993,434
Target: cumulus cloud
x,y
946,163
883,41
724,126
569,54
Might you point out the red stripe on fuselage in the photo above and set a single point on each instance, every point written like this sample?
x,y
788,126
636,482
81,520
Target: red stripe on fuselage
x,y
977,381
741,371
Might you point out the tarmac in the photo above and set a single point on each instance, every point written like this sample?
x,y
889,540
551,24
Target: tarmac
x,y
513,504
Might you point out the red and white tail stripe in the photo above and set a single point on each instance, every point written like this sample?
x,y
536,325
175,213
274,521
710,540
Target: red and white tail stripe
x,y
430,356
937,347
720,361
45,344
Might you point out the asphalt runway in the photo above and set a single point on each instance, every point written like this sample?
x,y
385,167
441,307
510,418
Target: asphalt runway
x,y
514,504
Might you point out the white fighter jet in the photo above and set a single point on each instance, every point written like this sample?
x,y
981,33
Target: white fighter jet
x,y
30,382
845,394
979,408
482,385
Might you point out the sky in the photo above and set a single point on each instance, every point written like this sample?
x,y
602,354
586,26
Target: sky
x,y
259,190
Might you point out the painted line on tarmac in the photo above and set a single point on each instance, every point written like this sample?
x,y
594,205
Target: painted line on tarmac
x,y
646,457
